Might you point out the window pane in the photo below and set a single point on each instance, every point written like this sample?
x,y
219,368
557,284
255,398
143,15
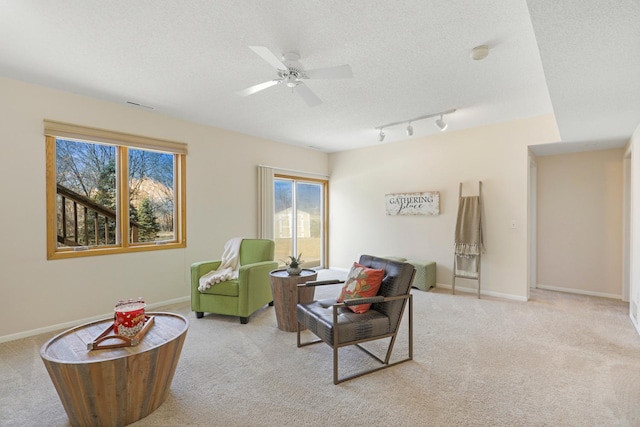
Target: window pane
x,y
86,194
151,196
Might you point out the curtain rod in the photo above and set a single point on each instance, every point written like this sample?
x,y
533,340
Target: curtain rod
x,y
294,171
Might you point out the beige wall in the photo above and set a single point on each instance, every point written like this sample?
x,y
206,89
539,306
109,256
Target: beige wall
x,y
497,155
580,222
221,203
635,229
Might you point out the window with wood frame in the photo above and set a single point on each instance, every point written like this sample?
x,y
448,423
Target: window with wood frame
x,y
111,192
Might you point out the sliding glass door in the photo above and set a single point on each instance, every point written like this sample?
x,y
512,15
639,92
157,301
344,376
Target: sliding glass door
x,y
299,219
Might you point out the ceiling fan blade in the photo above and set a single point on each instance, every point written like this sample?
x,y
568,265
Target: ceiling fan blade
x,y
307,95
339,72
268,56
257,88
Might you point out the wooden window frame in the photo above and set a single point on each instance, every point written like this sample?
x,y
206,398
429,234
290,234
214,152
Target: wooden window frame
x,y
122,143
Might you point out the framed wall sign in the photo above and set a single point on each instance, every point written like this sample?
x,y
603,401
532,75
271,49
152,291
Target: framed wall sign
x,y
425,203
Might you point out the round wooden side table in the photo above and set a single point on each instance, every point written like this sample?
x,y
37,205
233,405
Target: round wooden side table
x,y
285,295
115,386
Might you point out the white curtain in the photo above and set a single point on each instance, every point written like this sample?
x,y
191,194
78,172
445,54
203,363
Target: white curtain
x,y
265,202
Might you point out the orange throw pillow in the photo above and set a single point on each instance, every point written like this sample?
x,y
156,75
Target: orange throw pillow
x,y
362,282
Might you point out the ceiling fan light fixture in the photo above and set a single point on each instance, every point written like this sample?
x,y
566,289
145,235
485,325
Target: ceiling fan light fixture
x,y
291,80
291,74
478,53
441,124
409,130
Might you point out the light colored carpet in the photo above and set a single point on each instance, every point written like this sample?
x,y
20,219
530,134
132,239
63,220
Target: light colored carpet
x,y
557,360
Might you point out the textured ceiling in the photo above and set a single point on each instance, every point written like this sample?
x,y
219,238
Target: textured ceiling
x,y
577,58
591,56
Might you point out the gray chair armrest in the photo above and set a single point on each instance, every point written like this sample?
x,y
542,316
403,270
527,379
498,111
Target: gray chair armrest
x,y
320,283
358,301
370,300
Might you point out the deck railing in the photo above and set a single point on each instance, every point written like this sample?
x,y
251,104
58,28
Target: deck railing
x,y
83,222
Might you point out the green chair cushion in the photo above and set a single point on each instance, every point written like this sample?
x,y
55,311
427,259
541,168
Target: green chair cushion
x,y
228,288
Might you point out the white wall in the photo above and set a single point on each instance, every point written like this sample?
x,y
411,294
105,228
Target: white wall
x,y
221,203
497,155
580,222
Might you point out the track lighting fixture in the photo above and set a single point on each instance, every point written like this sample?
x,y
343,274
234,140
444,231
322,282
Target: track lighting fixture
x,y
409,130
440,123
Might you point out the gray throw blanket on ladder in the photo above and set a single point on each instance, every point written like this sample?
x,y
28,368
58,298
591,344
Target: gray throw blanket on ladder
x,y
468,239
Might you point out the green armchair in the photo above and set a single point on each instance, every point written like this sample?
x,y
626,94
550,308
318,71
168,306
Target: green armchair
x,y
243,296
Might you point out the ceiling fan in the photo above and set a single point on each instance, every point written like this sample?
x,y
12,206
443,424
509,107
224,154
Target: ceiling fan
x,y
291,73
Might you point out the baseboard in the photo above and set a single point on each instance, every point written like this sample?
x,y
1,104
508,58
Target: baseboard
x,y
483,292
67,325
579,291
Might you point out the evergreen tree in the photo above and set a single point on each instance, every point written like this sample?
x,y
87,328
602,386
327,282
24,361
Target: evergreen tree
x,y
106,186
106,196
149,226
133,213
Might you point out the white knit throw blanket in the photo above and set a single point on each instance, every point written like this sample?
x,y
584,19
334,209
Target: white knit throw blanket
x,y
229,266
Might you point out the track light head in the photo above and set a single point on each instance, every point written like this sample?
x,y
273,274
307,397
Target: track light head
x,y
381,137
441,124
409,130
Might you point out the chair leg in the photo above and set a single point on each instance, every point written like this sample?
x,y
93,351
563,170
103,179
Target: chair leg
x,y
411,327
199,314
244,320
335,365
386,362
336,340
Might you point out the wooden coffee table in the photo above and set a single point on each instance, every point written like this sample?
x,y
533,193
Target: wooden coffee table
x,y
116,386
285,295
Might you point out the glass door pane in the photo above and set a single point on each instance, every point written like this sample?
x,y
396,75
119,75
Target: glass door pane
x,y
283,227
309,223
299,220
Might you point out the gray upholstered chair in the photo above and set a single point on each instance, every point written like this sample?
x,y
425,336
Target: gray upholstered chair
x,y
335,324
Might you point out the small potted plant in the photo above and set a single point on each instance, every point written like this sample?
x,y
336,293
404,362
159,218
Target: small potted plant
x,y
294,264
